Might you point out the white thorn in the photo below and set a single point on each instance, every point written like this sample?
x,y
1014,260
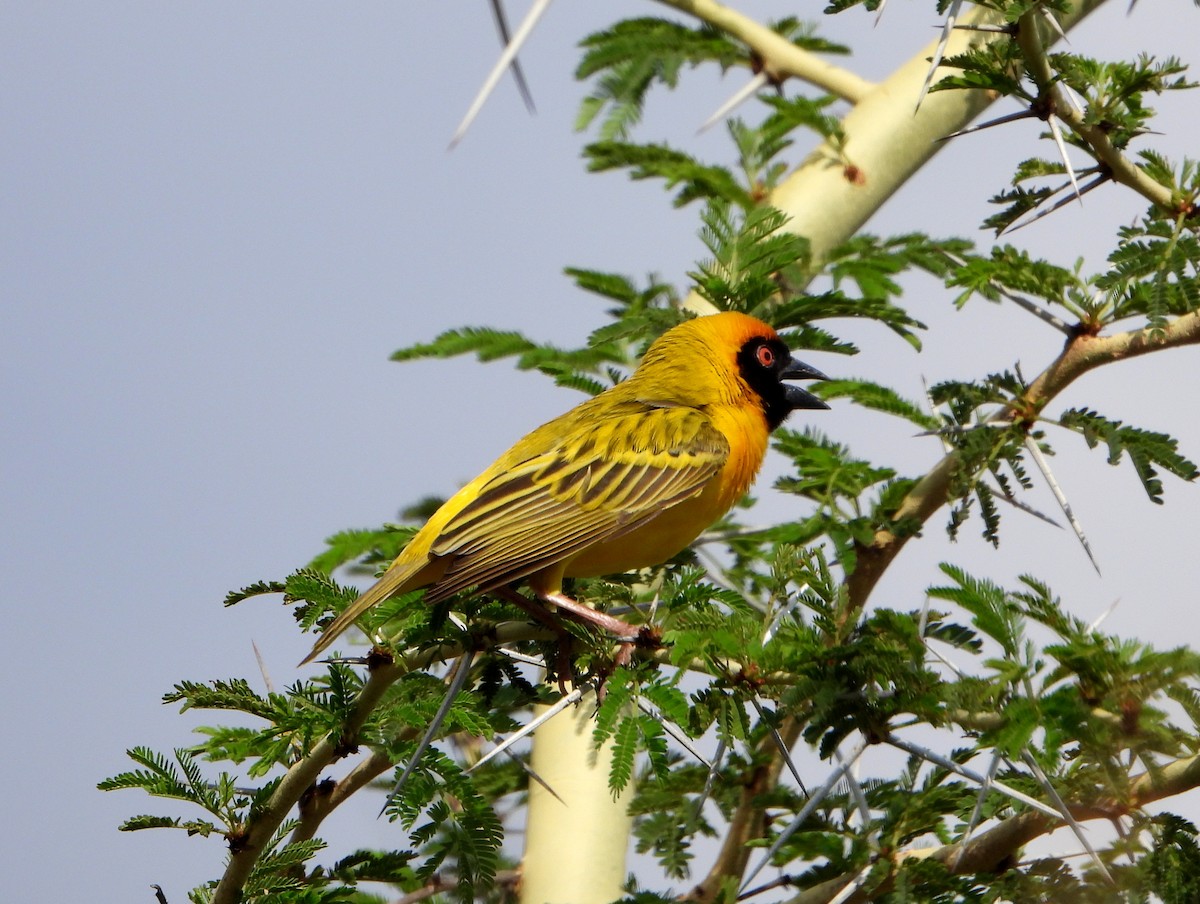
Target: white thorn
x,y
986,786
529,727
854,885
778,738
740,96
1056,131
1054,24
1104,615
1044,466
683,740
524,30
783,613
1065,813
946,763
951,17
457,681
860,799
1025,507
811,804
946,447
262,667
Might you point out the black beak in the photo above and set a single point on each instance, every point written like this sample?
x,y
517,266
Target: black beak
x,y
794,395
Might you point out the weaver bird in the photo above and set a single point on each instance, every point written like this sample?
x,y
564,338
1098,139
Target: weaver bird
x,y
624,480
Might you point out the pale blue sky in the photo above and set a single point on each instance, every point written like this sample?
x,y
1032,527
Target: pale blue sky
x,y
218,221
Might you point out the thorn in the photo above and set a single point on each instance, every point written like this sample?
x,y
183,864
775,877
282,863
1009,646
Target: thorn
x,y
854,885
1056,131
1100,619
1057,322
936,59
938,760
946,447
783,613
984,787
529,727
1026,508
783,881
740,96
709,779
533,775
502,26
1058,29
778,739
879,12
1057,205
262,668
811,804
680,738
1044,466
1065,813
457,682
860,799
923,620
998,121
524,30
1071,95
158,894
989,29
959,429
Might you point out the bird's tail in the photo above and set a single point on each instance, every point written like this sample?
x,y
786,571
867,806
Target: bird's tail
x,y
392,582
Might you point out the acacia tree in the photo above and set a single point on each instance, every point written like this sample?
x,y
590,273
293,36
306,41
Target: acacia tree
x,y
775,669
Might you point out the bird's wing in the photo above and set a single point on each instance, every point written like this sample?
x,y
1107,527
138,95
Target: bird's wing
x,y
598,482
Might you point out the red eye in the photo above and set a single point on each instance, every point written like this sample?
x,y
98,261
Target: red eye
x,y
766,356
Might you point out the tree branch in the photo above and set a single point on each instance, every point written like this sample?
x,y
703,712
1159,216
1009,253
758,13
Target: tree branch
x,y
1122,169
988,851
781,59
1081,354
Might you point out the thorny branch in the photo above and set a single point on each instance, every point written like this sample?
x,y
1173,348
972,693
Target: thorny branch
x,y
1120,167
1080,354
989,850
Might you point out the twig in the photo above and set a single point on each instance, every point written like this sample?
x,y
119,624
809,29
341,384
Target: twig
x,y
780,57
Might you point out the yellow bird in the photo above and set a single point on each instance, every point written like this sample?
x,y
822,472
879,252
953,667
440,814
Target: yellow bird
x,y
622,481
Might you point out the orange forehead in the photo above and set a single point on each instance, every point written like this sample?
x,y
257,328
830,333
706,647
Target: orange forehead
x,y
729,328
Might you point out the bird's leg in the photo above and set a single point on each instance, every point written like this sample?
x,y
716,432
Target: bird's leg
x,y
621,630
540,614
625,634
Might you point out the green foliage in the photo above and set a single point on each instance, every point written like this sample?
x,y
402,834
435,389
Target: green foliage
x,y
635,54
1145,448
647,161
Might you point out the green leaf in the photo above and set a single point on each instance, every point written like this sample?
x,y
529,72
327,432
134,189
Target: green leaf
x,y
658,161
632,56
878,398
1147,450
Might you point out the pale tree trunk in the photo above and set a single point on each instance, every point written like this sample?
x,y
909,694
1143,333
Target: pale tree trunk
x,y
574,847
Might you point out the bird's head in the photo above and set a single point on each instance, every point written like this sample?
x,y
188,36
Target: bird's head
x,y
730,357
